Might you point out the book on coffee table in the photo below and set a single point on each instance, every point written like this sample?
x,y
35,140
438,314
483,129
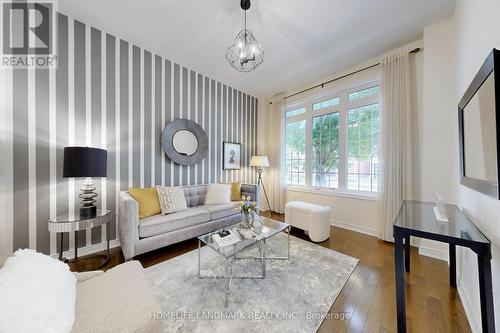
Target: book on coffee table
x,y
226,238
247,233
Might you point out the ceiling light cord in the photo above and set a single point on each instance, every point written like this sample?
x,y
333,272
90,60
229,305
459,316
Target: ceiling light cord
x,y
245,28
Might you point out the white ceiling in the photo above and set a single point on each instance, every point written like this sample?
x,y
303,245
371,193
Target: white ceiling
x,y
303,40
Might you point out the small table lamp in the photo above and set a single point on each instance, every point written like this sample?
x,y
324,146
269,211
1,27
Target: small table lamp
x,y
85,162
261,162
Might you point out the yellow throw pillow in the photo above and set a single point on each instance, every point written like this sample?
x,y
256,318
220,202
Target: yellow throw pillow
x,y
236,191
147,198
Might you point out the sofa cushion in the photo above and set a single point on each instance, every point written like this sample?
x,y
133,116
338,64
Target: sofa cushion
x,y
158,224
120,300
171,199
195,195
235,191
221,211
218,194
147,198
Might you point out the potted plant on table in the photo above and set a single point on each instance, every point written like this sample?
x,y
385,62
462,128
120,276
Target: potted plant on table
x,y
247,209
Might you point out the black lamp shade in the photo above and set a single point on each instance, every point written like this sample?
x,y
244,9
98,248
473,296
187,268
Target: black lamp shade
x,y
84,162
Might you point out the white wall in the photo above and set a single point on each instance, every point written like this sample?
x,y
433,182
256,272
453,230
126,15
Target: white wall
x,y
439,116
454,51
439,131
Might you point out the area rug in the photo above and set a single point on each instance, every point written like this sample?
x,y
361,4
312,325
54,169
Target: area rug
x,y
295,296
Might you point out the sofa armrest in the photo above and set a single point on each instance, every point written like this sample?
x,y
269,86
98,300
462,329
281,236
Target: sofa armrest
x,y
128,220
251,190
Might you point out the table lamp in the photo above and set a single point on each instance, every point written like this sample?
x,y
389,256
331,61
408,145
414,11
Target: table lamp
x,y
261,162
85,162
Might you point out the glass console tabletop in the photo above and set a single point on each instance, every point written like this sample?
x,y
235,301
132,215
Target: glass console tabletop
x,y
267,229
419,216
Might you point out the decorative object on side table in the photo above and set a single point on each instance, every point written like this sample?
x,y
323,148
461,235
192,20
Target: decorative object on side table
x,y
261,162
85,162
247,208
439,208
75,223
231,155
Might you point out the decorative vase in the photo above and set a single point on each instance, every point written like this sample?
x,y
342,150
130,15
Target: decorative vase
x,y
246,220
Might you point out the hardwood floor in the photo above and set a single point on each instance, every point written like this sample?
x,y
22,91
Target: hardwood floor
x,y
368,302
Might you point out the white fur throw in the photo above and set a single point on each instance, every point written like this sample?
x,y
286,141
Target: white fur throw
x,y
37,294
218,194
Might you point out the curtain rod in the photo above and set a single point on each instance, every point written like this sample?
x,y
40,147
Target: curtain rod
x,y
415,50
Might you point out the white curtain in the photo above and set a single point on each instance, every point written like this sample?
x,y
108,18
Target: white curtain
x,y
396,147
273,177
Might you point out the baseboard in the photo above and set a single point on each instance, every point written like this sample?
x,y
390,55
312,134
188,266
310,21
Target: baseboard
x,y
473,317
87,250
354,227
432,253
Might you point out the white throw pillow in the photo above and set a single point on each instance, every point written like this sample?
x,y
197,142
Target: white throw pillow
x,y
218,194
171,199
38,294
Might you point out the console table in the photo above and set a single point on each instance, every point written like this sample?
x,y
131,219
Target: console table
x,y
416,218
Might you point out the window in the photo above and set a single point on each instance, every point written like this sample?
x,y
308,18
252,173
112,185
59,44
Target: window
x,y
295,153
295,112
364,93
362,148
326,104
333,142
325,151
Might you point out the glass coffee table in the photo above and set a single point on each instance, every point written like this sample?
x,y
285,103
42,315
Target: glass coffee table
x,y
266,229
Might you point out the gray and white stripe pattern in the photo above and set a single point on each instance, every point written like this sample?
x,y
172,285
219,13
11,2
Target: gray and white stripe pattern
x,y
109,93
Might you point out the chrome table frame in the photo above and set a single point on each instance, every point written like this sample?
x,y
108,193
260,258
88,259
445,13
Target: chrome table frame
x,y
229,276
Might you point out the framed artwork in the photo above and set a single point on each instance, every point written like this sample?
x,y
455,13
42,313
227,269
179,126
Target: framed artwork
x,y
231,155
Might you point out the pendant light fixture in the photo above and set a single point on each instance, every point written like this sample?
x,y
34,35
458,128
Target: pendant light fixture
x,y
245,54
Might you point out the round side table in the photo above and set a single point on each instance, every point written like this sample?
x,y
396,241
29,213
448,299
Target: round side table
x,y
66,223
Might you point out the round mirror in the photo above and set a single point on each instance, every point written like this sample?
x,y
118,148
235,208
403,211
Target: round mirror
x,y
185,142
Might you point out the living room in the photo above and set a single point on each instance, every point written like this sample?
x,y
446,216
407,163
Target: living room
x,y
249,165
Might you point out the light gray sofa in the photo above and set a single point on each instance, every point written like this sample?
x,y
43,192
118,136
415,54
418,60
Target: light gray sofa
x,y
139,236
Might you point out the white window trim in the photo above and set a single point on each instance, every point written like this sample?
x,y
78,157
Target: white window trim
x,y
343,109
365,195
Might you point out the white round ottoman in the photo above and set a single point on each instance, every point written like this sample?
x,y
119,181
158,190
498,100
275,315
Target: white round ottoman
x,y
314,219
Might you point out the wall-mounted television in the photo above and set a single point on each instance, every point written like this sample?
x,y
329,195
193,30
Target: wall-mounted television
x,y
479,129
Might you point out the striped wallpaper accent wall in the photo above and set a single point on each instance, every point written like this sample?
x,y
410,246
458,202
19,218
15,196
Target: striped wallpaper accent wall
x,y
111,94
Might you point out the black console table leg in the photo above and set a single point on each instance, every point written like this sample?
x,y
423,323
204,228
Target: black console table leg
x,y
407,253
453,265
400,282
486,293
